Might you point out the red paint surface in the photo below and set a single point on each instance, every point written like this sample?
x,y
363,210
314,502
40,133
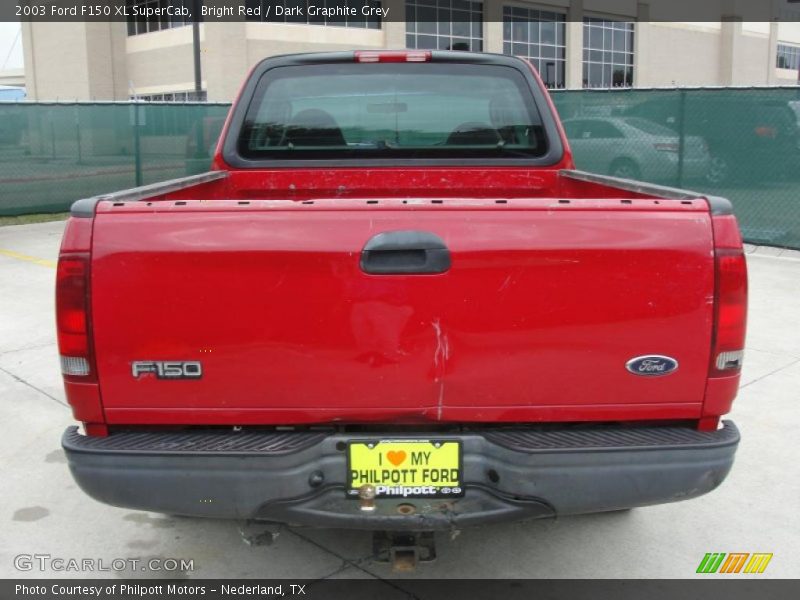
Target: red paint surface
x,y
535,320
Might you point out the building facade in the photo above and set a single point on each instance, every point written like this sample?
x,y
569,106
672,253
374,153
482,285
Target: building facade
x,y
573,43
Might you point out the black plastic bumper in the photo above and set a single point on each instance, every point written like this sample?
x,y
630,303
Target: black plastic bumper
x,y
299,477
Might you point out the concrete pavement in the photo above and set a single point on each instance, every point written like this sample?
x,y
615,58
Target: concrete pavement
x,y
43,512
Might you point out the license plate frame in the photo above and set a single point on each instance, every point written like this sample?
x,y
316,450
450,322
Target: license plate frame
x,y
420,485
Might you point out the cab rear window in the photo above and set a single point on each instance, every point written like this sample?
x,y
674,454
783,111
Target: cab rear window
x,y
392,110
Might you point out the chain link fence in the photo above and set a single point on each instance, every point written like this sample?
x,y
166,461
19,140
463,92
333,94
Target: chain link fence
x,y
741,143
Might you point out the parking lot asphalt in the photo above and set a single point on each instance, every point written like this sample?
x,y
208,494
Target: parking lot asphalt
x,y
43,512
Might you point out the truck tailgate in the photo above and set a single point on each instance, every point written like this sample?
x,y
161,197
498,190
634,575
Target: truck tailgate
x,y
543,305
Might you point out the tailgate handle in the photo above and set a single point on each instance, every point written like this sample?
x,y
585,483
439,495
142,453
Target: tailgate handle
x,y
405,252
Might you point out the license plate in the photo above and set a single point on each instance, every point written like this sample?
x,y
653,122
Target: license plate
x,y
405,468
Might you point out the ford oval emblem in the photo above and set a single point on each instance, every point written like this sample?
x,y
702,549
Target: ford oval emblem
x,y
652,365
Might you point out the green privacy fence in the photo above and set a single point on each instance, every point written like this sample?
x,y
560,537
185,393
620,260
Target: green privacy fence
x,y
739,143
53,154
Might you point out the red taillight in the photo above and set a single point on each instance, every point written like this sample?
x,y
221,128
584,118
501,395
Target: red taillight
x,y
392,56
730,306
72,317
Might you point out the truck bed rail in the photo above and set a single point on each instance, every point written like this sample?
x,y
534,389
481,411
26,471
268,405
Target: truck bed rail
x,y
85,207
717,204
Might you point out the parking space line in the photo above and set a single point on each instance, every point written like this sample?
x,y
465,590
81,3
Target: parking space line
x,y
33,259
778,370
19,379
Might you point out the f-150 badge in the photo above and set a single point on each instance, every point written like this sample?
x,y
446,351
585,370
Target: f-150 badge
x,y
167,369
652,365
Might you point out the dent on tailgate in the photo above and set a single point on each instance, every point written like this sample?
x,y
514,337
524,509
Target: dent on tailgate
x,y
535,320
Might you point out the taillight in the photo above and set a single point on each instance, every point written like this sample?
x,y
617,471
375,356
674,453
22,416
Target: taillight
x,y
72,318
730,299
392,56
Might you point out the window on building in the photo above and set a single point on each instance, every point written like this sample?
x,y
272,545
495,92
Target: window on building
x,y
315,12
171,15
173,97
165,115
539,36
444,25
788,57
607,53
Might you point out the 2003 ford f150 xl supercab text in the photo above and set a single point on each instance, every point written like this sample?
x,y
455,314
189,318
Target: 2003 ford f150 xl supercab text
x,y
393,304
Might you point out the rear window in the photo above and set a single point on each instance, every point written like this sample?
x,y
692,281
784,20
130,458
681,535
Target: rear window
x,y
392,110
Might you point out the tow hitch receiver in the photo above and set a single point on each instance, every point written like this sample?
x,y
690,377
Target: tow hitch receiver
x,y
403,549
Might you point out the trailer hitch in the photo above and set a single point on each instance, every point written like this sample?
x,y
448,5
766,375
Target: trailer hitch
x,y
403,550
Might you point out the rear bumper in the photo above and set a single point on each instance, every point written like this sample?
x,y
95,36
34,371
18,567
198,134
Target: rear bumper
x,y
508,474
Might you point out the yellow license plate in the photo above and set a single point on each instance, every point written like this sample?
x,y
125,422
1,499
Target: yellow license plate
x,y
405,468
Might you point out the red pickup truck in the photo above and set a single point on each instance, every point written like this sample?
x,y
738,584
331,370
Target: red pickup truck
x,y
394,304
